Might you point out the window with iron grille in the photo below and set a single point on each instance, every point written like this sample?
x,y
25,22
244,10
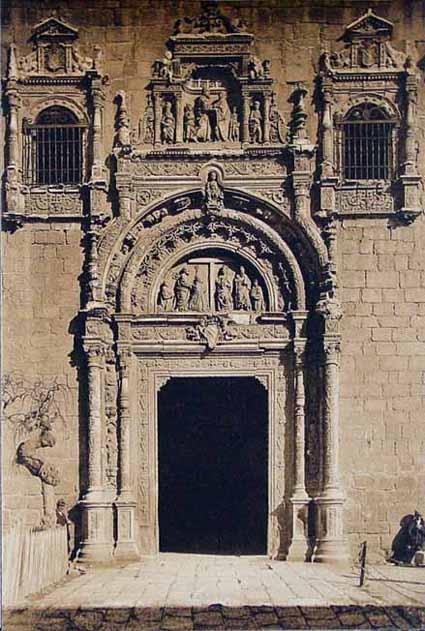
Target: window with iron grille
x,y
53,148
368,144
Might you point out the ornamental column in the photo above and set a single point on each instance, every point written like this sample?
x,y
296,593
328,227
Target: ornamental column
x,y
96,544
245,117
299,500
98,99
266,127
179,118
125,504
331,546
157,104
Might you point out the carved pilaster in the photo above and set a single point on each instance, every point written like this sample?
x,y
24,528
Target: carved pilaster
x,y
98,99
266,130
411,142
327,133
157,113
95,356
245,120
331,547
97,537
125,504
179,118
299,499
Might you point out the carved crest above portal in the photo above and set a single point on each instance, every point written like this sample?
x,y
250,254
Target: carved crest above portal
x,y
209,88
54,52
367,47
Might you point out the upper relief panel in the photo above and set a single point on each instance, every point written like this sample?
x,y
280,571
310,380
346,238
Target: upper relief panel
x,y
209,90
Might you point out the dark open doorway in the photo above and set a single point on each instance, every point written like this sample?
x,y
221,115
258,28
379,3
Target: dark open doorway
x,y
213,465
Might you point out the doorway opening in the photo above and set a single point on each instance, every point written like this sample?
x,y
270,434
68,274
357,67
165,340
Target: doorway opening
x,y
213,465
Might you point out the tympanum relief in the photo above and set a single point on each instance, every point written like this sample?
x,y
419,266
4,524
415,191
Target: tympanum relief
x,y
211,284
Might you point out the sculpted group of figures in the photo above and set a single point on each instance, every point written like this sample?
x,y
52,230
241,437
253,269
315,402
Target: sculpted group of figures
x,y
209,120
239,294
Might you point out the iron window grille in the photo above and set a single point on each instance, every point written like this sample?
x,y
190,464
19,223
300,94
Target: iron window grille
x,y
368,144
53,151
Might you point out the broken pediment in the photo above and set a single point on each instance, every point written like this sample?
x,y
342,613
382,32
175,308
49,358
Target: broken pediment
x,y
54,52
368,25
51,29
367,47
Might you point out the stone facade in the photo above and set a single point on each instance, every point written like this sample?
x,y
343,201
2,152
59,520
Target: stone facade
x,y
214,234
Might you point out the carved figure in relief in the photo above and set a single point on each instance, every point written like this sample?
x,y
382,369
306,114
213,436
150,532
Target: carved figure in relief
x,y
196,301
256,123
182,289
165,67
256,70
147,124
190,131
241,290
221,116
234,126
165,297
223,292
277,123
202,115
257,297
214,195
168,124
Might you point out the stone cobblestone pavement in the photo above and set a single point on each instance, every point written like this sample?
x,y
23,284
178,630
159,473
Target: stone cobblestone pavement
x,y
173,592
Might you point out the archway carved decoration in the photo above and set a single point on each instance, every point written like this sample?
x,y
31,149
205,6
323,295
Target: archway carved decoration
x,y
206,199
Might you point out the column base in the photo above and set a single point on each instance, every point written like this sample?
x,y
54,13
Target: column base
x,y
126,548
331,546
97,533
299,547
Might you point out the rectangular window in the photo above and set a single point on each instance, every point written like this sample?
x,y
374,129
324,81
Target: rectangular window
x,y
367,150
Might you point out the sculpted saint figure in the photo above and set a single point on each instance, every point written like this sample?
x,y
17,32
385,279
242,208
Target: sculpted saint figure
x,y
257,297
196,301
165,297
222,114
241,290
256,123
214,195
189,124
234,126
168,124
202,115
182,289
223,292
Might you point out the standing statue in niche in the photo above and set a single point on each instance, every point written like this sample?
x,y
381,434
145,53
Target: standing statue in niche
x,y
202,115
214,196
147,124
256,123
165,297
234,126
168,124
241,290
190,132
196,301
257,297
223,292
182,289
221,115
277,122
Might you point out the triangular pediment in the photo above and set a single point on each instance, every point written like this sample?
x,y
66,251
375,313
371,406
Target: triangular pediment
x,y
368,25
54,28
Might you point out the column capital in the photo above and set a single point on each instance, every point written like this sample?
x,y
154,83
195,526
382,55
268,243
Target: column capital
x,y
95,352
332,349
